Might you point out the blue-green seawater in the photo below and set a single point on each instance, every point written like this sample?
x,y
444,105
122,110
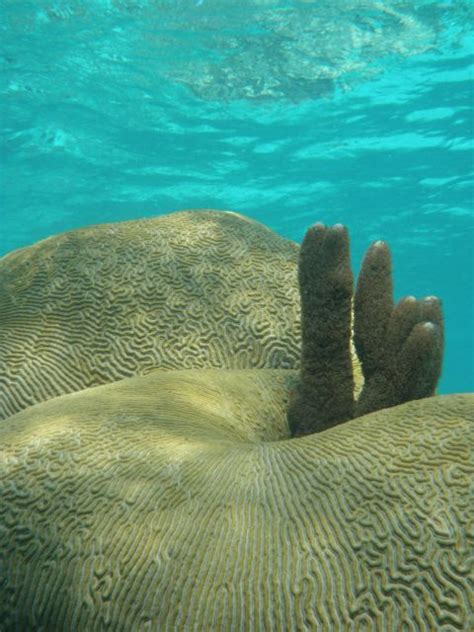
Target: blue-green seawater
x,y
355,111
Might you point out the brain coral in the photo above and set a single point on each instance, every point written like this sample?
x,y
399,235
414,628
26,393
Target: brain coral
x,y
186,290
177,501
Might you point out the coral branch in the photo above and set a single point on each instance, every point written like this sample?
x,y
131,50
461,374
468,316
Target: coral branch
x,y
373,305
400,347
324,396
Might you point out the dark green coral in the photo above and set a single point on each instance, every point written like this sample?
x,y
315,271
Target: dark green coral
x,y
400,347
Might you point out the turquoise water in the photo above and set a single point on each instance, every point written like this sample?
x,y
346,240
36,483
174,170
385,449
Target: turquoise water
x,y
290,112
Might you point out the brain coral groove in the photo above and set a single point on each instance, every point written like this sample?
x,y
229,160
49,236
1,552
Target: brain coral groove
x,y
176,501
186,290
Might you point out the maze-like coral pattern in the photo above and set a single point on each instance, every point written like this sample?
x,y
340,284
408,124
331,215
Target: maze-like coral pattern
x,y
188,290
176,501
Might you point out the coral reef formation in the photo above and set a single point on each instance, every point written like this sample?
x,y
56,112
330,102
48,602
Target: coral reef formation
x,y
178,500
400,347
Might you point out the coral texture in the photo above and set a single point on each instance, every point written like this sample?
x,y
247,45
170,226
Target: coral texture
x,y
186,290
176,501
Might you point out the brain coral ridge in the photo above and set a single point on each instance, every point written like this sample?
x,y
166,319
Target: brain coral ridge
x,y
186,290
160,486
177,501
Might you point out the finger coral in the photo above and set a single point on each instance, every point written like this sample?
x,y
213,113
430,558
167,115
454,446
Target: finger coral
x,y
324,396
400,347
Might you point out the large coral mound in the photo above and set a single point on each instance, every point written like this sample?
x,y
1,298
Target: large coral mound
x,y
186,290
176,501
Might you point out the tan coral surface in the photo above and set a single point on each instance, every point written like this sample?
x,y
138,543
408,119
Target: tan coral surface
x,y
176,501
193,289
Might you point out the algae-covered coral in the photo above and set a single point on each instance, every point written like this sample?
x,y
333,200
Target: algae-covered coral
x,y
178,500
